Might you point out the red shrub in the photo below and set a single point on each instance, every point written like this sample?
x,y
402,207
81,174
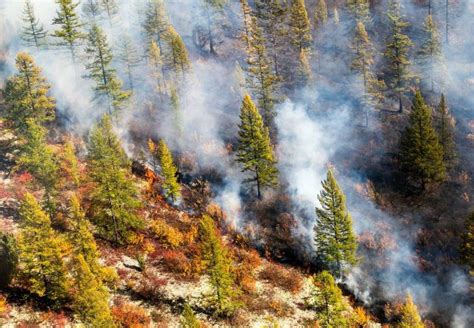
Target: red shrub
x,y
130,316
287,279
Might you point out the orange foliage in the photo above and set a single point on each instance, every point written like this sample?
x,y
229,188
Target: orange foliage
x,y
287,279
130,316
167,234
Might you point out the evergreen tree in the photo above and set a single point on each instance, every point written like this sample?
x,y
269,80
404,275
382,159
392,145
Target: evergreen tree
x,y
467,246
70,165
446,124
328,302
255,151
410,318
218,265
26,95
38,159
189,320
156,23
108,85
260,78
304,75
430,52
41,253
177,117
156,64
334,238
421,154
399,78
92,11
33,33
321,13
178,53
8,259
90,297
114,201
128,55
170,186
247,21
69,31
110,7
299,26
360,9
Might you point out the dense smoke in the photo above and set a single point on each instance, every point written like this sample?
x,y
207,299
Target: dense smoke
x,y
315,131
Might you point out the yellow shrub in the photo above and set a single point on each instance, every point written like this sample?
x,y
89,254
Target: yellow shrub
x,y
3,306
167,234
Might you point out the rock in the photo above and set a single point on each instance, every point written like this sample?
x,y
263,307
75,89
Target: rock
x,y
130,263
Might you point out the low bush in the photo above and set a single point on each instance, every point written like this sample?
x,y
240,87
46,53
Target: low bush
x,y
166,234
287,279
129,315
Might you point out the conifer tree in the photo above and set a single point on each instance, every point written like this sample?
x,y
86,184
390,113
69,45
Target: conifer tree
x,y
114,201
156,23
108,85
260,78
467,246
300,28
33,32
90,297
211,9
69,30
189,320
446,125
170,186
328,302
26,95
178,53
334,238
321,13
157,70
304,75
128,55
92,10
218,266
360,9
421,154
399,78
41,253
110,7
8,259
70,165
177,117
247,21
410,318
38,159
255,151
430,52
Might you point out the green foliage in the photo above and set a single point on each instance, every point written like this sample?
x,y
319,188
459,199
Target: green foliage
x,y
399,78
421,154
255,151
218,265
41,253
108,85
178,53
155,61
260,78
26,95
8,259
189,320
69,31
334,238
90,297
328,302
360,9
33,33
300,28
431,51
70,165
321,13
38,159
114,199
170,186
410,318
467,246
156,23
446,124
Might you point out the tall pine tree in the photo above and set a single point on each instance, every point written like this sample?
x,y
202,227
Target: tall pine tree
x,y
33,32
300,27
430,53
178,58
171,187
409,316
334,238
421,154
446,124
255,151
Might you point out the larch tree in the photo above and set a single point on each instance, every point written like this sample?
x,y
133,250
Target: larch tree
x,y
90,297
218,266
41,253
27,95
170,186
92,11
189,319
212,8
300,27
467,246
446,125
421,154
110,7
69,26
328,302
129,56
360,9
37,158
33,32
108,85
247,21
334,238
430,53
362,63
69,165
114,198
155,61
178,58
304,74
409,316
260,78
156,23
255,151
399,77
8,259
321,14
